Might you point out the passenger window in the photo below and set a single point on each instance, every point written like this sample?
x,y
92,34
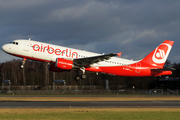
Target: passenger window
x,y
16,43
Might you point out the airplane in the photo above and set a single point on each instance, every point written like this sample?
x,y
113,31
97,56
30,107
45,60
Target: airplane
x,y
62,58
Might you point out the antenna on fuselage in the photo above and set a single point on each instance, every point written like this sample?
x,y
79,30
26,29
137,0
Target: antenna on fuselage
x,y
29,39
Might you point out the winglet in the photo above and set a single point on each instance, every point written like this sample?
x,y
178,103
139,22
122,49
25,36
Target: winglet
x,y
119,54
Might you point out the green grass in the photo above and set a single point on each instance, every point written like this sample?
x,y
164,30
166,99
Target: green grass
x,y
90,114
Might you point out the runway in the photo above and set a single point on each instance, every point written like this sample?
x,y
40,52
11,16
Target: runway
x,y
99,104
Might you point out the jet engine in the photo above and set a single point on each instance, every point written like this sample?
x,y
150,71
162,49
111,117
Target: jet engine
x,y
64,64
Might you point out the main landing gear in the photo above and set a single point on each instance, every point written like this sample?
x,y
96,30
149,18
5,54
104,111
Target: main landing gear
x,y
82,76
78,77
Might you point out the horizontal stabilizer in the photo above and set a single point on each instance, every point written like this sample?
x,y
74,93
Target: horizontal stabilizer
x,y
164,69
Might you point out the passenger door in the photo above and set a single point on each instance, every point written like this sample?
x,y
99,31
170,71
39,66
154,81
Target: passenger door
x,y
26,45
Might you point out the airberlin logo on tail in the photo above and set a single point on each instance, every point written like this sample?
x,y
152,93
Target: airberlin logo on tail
x,y
161,53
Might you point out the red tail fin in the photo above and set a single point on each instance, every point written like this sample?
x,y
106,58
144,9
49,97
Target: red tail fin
x,y
158,56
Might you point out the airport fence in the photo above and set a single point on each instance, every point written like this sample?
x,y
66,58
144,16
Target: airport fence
x,y
79,90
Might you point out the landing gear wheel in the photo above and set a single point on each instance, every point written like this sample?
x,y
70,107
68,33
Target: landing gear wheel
x,y
83,76
22,66
77,77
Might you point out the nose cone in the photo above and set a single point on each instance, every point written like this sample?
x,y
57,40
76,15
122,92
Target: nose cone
x,y
5,48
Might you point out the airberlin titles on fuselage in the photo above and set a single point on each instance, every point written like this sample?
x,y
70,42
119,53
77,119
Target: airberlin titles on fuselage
x,y
56,51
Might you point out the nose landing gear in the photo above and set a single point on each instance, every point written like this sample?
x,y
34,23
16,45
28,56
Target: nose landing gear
x,y
23,63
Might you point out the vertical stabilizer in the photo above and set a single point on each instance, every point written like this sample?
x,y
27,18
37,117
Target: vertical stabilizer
x,y
158,56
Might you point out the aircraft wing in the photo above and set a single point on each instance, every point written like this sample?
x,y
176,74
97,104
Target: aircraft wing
x,y
86,62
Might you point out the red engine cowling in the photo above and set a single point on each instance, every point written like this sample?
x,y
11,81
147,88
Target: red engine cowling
x,y
64,64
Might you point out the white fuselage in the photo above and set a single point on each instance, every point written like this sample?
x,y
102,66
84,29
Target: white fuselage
x,y
48,52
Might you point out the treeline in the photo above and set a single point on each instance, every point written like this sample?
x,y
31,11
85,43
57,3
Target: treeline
x,y
37,73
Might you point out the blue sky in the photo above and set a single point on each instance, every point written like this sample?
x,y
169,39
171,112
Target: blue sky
x,y
134,27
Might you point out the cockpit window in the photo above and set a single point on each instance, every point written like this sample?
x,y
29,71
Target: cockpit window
x,y
15,43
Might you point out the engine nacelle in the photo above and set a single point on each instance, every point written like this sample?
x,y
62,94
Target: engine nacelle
x,y
64,64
